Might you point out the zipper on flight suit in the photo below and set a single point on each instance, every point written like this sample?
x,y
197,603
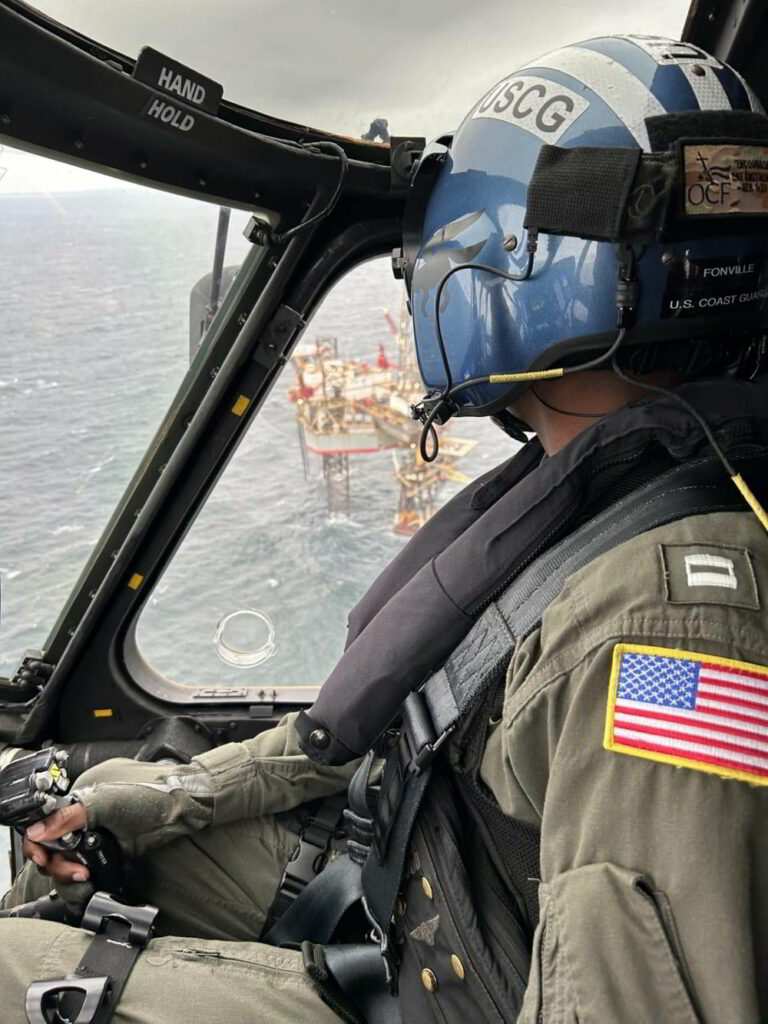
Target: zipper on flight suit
x,y
669,930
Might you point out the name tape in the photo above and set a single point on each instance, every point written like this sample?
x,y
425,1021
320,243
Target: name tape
x,y
710,286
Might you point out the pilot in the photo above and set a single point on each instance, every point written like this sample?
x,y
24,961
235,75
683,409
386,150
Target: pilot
x,y
592,842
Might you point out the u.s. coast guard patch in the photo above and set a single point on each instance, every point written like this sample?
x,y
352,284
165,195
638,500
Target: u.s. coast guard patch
x,y
688,709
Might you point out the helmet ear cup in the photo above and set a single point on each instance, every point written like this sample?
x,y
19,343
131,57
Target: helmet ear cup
x,y
609,93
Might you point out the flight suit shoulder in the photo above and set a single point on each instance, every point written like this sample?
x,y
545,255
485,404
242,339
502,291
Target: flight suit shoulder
x,y
695,587
634,732
700,583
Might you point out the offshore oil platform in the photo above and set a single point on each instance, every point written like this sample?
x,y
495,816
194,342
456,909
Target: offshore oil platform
x,y
347,408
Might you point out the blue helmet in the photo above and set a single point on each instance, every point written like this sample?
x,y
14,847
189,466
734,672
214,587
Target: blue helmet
x,y
617,182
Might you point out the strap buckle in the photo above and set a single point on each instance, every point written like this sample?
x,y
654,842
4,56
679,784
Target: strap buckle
x,y
381,937
302,867
307,860
422,742
42,997
139,920
91,994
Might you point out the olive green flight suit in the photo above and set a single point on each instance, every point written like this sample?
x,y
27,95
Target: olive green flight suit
x,y
654,874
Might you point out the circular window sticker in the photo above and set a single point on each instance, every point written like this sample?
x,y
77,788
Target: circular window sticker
x,y
245,638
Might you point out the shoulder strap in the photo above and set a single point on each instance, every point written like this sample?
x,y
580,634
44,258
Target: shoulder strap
x,y
693,489
432,713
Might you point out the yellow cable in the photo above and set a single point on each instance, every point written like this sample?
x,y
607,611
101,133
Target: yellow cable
x,y
510,378
751,500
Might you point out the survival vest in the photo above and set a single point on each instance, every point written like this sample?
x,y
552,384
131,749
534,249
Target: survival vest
x,y
424,670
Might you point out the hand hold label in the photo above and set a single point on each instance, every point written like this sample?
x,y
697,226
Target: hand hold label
x,y
163,73
170,114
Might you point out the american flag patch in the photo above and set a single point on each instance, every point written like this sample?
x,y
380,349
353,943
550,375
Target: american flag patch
x,y
689,709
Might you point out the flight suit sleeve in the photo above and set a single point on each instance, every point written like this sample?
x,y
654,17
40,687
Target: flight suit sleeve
x,y
647,776
147,805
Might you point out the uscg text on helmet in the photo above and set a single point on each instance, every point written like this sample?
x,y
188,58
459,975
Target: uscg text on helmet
x,y
543,108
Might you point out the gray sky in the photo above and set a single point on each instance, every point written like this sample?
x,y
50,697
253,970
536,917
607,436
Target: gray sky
x,y
337,64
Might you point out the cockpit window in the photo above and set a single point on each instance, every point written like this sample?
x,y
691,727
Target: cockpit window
x,y
322,493
94,306
353,68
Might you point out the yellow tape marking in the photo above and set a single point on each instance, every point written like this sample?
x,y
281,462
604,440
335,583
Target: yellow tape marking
x,y
652,755
103,713
135,581
241,405
510,378
751,500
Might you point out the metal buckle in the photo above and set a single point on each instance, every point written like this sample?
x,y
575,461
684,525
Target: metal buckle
x,y
421,740
428,753
94,990
302,868
103,907
381,937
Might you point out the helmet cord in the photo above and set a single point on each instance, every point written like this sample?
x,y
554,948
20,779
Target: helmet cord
x,y
505,274
737,479
566,412
442,401
428,430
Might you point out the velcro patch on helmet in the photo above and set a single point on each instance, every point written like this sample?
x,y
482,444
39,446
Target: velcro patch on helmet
x,y
723,179
690,710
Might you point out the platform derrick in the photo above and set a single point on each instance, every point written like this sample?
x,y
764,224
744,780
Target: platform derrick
x,y
350,407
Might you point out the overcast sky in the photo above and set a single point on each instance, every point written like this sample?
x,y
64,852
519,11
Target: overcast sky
x,y
337,64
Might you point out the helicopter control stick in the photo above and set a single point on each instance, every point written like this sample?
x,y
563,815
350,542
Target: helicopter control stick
x,y
32,787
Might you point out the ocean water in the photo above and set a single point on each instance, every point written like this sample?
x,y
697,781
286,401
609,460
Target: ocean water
x,y
94,310
94,342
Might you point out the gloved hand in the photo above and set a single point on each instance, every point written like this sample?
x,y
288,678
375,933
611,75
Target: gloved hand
x,y
58,824
146,805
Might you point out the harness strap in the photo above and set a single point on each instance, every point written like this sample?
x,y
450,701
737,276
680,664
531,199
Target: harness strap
x,y
308,860
316,914
353,982
693,489
431,714
91,993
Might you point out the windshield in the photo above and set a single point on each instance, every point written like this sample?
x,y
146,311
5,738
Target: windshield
x,y
339,65
96,279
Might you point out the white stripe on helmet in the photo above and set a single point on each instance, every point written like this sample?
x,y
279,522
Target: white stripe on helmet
x,y
615,85
707,88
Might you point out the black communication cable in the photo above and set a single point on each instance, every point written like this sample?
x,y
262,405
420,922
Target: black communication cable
x,y
475,266
626,300
304,225
566,412
442,401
